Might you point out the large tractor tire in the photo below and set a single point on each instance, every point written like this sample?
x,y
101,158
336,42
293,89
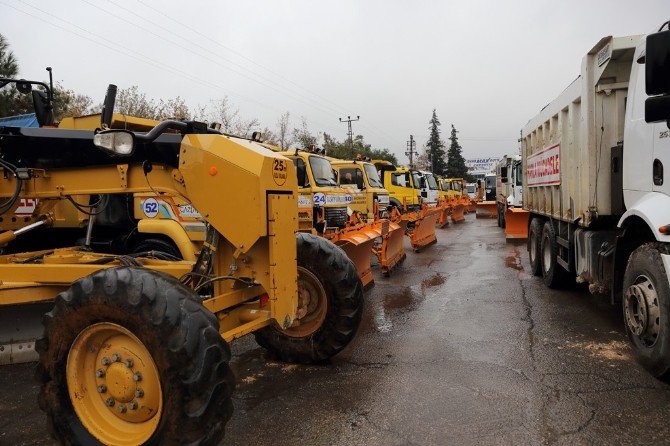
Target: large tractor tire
x,y
646,308
330,305
553,274
534,246
130,356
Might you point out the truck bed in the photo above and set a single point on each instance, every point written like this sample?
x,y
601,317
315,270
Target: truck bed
x,y
567,148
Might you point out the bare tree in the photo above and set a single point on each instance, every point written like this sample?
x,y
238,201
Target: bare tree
x,y
284,136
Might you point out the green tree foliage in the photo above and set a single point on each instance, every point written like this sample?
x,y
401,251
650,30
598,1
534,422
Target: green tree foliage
x,y
456,163
343,150
435,147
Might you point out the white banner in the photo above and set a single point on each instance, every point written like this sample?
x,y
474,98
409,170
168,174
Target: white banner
x,y
544,167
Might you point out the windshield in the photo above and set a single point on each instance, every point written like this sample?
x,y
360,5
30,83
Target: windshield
x,y
373,176
471,188
490,182
322,171
458,186
432,184
519,174
446,185
417,180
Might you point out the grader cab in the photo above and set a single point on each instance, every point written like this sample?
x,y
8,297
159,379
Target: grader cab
x,y
134,349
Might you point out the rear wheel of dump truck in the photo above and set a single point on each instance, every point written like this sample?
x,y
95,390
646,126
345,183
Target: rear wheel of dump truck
x,y
330,305
553,274
534,245
646,308
130,356
395,203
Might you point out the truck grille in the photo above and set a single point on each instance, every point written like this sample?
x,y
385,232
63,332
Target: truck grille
x,y
337,216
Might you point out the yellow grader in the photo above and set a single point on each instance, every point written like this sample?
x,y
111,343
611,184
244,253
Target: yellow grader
x,y
135,345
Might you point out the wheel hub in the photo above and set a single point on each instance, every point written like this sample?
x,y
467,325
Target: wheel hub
x,y
312,305
114,384
642,312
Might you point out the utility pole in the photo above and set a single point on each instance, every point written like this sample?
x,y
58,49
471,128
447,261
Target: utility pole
x,y
350,132
411,145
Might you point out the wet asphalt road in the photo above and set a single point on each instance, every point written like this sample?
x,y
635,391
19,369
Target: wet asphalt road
x,y
460,346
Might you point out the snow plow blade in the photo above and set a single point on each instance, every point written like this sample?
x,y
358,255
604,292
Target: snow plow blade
x,y
391,250
422,232
457,211
487,209
516,224
445,210
472,206
357,242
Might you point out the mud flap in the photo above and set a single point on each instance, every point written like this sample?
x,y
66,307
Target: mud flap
x,y
516,223
20,326
487,209
391,250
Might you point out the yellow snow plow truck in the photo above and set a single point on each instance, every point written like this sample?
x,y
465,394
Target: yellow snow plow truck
x,y
135,345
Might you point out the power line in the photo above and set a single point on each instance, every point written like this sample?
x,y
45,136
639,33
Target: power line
x,y
371,126
139,56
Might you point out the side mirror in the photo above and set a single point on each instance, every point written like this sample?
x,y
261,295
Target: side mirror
x,y
115,142
657,77
108,107
43,110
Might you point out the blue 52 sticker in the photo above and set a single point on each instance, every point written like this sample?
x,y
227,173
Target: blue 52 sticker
x,y
150,207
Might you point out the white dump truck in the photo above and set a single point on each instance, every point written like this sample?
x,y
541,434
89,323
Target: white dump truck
x,y
594,185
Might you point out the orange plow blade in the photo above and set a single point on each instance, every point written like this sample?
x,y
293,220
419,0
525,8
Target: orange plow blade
x,y
487,209
443,217
472,205
457,212
358,243
391,250
423,232
516,223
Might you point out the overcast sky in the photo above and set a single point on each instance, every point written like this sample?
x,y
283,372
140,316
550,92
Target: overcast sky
x,y
487,67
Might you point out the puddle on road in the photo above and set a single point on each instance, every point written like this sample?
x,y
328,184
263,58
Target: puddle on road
x,y
399,302
514,261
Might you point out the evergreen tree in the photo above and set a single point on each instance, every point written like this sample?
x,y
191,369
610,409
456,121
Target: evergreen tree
x,y
455,162
435,147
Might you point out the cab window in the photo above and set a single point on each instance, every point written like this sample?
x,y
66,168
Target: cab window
x,y
373,176
432,184
352,176
400,179
301,170
322,171
519,175
419,182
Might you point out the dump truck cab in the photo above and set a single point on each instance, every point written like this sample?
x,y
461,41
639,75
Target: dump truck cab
x,y
471,189
321,202
490,185
362,181
402,183
509,181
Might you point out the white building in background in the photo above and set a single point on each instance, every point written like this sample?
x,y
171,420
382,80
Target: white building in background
x,y
479,167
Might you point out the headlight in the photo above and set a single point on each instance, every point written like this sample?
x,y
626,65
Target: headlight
x,y
117,142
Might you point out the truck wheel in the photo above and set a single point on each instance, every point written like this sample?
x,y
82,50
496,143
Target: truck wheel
x,y
330,305
553,274
646,308
534,245
395,203
130,356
